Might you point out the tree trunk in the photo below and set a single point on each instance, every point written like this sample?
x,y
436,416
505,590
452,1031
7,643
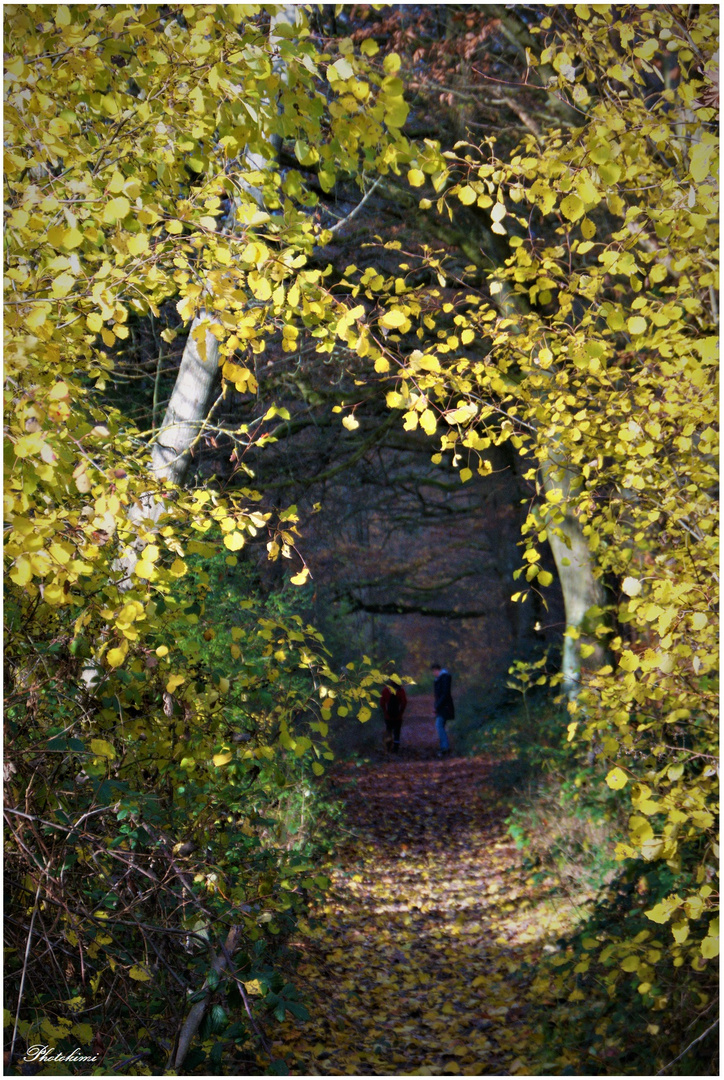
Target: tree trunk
x,y
199,376
581,589
193,393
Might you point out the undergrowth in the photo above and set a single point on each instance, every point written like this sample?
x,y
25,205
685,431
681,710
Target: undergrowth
x,y
134,864
592,1010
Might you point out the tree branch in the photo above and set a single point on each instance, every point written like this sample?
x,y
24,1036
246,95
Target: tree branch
x,y
683,1052
196,1015
358,208
396,608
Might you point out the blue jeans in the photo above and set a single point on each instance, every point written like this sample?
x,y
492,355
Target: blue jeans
x,y
441,733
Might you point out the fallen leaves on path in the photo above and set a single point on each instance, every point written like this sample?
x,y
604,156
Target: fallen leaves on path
x,y
416,962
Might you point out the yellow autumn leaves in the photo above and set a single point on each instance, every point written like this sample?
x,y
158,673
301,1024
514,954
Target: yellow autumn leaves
x,y
600,352
420,957
617,779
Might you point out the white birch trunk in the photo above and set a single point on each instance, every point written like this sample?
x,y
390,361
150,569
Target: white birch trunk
x,y
580,587
571,553
199,376
197,380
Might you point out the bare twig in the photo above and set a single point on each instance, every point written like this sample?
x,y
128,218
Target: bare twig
x,y
242,990
683,1052
130,1060
353,213
522,115
25,968
56,825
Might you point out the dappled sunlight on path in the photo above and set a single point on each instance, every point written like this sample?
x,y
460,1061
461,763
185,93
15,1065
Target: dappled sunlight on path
x,y
413,963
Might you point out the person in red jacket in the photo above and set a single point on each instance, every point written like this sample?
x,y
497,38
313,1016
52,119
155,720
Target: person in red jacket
x,y
393,701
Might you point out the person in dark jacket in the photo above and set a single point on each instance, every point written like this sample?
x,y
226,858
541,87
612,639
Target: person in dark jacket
x,y
393,701
444,707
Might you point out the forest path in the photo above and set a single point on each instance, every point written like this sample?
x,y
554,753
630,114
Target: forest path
x,y
413,963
